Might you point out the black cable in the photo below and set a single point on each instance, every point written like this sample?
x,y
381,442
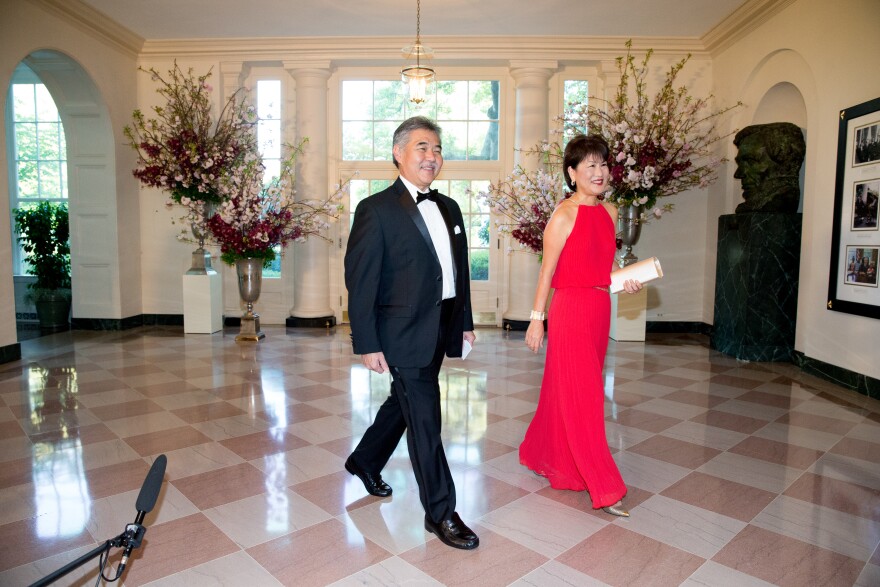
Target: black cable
x,y
102,562
105,558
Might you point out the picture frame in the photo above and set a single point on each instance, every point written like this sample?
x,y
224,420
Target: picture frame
x,y
865,197
855,236
861,266
866,147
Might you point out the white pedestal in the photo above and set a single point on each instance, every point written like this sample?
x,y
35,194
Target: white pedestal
x,y
522,280
628,315
202,303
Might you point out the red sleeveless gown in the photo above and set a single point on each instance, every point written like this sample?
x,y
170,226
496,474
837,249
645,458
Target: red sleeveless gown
x,y
566,440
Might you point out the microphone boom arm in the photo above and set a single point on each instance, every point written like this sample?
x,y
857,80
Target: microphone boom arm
x,y
132,536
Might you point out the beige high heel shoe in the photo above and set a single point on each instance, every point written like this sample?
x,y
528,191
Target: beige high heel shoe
x,y
617,510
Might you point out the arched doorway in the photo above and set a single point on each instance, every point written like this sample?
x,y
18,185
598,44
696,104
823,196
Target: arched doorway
x,y
90,175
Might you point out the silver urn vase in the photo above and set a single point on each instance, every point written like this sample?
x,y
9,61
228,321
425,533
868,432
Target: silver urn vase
x,y
250,281
629,228
201,257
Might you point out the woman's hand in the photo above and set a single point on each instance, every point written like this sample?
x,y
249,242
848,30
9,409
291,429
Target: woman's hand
x,y
535,335
632,286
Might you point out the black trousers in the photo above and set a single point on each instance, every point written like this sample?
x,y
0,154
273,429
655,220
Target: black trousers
x,y
414,407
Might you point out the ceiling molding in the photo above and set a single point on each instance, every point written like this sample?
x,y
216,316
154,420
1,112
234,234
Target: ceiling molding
x,y
448,50
93,23
385,50
741,22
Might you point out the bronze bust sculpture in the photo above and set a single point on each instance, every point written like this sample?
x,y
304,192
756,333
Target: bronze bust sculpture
x,y
768,164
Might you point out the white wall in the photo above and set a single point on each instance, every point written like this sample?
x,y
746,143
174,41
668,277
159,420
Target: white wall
x,y
825,62
164,258
25,28
828,53
678,238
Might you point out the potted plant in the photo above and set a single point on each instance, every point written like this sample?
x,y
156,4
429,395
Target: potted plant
x,y
44,234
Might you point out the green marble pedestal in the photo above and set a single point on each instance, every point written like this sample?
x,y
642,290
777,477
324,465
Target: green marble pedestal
x,y
756,285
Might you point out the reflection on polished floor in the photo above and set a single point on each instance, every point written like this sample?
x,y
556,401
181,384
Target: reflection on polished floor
x,y
739,473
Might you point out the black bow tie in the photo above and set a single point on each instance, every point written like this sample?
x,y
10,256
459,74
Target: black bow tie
x,y
430,195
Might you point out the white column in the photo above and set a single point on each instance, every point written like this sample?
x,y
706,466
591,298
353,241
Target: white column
x,y
230,79
311,281
628,312
532,107
532,127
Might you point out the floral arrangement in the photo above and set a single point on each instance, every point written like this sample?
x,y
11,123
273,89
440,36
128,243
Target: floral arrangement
x,y
524,201
183,151
658,148
257,218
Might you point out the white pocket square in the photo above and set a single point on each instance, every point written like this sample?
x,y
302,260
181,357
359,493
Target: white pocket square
x,y
456,230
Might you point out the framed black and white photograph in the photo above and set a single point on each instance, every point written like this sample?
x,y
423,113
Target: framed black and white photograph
x,y
865,204
855,237
866,144
861,266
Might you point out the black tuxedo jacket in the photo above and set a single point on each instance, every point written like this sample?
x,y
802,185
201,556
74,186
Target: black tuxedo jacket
x,y
395,283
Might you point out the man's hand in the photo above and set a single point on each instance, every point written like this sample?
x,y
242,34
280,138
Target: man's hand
x,y
375,362
470,336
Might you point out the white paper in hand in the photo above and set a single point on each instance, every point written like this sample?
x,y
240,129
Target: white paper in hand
x,y
644,271
465,349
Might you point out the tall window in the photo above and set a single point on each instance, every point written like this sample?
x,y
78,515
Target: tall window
x,y
40,151
466,110
476,221
270,141
575,92
360,189
475,214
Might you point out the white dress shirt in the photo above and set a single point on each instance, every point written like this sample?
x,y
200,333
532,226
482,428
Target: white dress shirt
x,y
439,236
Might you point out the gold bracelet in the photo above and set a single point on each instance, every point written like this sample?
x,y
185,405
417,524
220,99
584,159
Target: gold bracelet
x,y
536,315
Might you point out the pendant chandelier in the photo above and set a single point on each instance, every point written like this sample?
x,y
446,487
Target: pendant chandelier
x,y
418,77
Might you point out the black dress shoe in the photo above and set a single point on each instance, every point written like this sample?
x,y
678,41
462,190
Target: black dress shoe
x,y
372,483
453,532
464,531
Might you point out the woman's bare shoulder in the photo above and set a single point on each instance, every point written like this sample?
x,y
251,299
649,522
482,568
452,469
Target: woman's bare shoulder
x,y
566,211
566,206
611,208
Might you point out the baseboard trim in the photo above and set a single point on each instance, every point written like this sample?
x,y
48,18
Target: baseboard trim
x,y
10,352
163,319
851,380
126,323
678,327
319,322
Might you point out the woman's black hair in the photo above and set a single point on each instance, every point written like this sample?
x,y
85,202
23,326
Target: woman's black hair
x,y
579,148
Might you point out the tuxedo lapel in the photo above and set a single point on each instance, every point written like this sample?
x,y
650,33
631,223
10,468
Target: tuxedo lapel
x,y
412,209
444,211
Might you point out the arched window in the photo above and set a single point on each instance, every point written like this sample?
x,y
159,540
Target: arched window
x,y
38,168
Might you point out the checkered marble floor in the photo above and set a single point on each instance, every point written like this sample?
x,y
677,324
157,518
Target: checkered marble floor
x,y
738,473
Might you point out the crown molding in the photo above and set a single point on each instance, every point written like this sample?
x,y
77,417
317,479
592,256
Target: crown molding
x,y
94,23
448,50
741,22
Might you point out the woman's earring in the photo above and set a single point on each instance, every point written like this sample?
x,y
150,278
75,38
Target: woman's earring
x,y
573,183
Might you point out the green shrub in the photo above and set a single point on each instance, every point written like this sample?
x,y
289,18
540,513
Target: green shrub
x,y
44,234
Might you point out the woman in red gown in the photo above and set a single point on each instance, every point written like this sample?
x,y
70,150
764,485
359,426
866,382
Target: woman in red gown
x,y
566,440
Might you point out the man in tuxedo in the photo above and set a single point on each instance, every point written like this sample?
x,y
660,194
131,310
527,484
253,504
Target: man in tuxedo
x,y
406,270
